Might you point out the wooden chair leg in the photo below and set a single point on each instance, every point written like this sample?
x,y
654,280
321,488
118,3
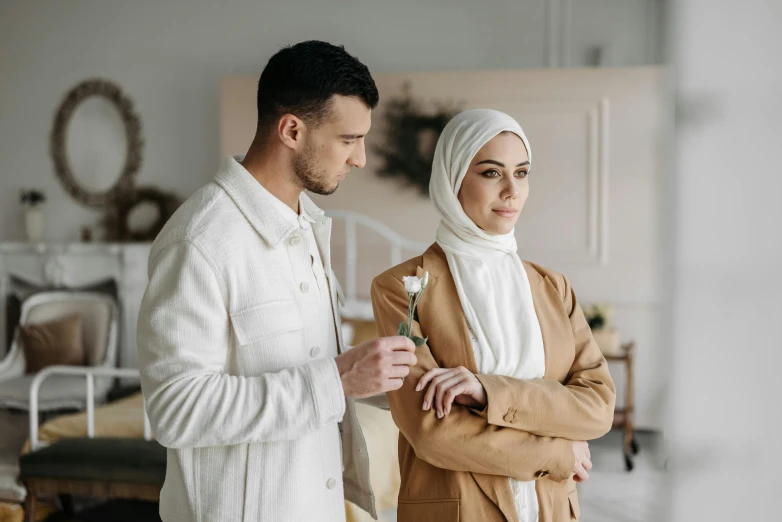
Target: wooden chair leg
x,y
29,506
629,434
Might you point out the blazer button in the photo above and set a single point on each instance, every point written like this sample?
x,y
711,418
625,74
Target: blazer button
x,y
305,287
315,352
508,417
295,240
331,483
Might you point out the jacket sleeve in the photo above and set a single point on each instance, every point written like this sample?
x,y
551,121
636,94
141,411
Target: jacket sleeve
x,y
461,441
583,407
184,337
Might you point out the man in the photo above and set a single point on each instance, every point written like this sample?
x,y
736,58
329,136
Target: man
x,y
244,373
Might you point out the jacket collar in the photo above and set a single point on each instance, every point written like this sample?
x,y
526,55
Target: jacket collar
x,y
256,203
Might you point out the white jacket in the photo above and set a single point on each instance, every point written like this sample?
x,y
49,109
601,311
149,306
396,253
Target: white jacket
x,y
233,386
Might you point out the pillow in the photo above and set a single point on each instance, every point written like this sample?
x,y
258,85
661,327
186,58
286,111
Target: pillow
x,y
53,342
19,289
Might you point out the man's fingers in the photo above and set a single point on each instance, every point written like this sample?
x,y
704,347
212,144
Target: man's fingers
x,y
403,358
393,384
398,371
399,343
587,464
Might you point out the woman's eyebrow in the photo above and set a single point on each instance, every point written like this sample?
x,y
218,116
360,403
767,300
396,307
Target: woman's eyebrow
x,y
500,164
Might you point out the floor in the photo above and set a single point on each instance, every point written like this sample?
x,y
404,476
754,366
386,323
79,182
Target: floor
x,y
610,495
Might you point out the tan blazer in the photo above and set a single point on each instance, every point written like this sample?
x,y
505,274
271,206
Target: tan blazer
x,y
456,469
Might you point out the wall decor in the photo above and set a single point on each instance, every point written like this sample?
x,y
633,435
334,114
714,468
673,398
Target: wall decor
x,y
411,134
109,91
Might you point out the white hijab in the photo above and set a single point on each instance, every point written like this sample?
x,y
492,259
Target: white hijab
x,y
491,281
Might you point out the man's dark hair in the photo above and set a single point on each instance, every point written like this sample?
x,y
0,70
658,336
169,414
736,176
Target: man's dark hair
x,y
301,79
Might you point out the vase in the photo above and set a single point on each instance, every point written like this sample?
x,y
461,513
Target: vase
x,y
34,224
608,340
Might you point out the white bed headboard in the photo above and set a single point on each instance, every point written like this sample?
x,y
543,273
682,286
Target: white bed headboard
x,y
356,308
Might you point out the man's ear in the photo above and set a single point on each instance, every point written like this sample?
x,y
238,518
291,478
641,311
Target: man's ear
x,y
291,131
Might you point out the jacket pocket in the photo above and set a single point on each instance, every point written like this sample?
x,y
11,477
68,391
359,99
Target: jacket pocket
x,y
266,320
439,510
575,511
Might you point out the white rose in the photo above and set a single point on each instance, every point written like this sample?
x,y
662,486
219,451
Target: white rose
x,y
412,284
425,280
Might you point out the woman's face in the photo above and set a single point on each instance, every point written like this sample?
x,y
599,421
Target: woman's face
x,y
496,187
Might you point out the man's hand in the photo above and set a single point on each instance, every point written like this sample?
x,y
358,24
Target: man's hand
x,y
583,461
449,385
376,366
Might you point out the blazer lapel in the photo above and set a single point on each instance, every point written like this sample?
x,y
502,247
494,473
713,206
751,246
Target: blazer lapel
x,y
551,317
440,313
442,320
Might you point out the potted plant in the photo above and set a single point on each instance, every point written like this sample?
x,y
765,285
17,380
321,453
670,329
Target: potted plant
x,y
32,200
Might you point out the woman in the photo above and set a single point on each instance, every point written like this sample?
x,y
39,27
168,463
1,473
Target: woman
x,y
510,382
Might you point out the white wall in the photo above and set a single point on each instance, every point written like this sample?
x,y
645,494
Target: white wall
x,y
725,217
169,56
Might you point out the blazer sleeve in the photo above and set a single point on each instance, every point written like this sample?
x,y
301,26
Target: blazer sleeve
x,y
461,441
183,345
581,408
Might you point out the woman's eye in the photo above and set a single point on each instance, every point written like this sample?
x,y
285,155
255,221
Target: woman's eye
x,y
522,174
491,173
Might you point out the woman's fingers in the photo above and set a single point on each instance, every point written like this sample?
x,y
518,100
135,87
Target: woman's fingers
x,y
454,379
428,376
581,474
438,378
455,391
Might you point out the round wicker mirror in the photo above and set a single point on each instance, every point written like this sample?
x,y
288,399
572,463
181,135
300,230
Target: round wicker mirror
x,y
110,92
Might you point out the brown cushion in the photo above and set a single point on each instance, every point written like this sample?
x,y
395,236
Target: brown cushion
x,y
53,342
18,289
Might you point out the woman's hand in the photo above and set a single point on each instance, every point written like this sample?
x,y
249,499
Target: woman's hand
x,y
449,385
583,462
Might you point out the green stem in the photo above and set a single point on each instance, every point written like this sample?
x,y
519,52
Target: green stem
x,y
409,314
412,311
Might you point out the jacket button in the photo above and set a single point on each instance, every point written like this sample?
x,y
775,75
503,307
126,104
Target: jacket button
x,y
331,483
315,351
305,287
295,241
